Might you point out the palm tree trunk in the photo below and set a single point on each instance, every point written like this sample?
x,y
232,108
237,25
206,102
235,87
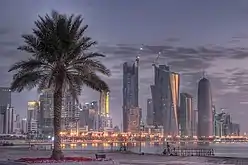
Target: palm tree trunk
x,y
57,153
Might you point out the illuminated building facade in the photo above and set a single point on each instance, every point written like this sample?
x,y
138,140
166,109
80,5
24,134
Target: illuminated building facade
x,y
130,90
104,119
204,106
32,117
165,96
186,114
104,103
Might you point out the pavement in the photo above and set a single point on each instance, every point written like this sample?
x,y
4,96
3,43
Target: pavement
x,y
123,158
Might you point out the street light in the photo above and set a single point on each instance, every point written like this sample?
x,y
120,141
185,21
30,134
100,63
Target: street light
x,y
141,128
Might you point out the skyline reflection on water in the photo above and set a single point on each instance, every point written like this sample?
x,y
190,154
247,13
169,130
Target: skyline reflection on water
x,y
221,149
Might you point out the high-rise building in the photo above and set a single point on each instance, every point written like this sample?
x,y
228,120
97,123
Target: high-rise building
x,y
186,114
69,112
84,115
149,113
133,120
5,104
205,121
130,90
24,126
17,124
32,117
165,96
46,112
195,122
214,119
89,116
1,123
104,103
235,129
104,119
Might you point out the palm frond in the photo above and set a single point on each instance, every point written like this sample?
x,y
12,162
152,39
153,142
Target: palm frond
x,y
27,80
28,65
95,82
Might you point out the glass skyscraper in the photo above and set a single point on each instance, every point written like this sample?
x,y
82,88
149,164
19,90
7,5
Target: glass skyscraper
x,y
165,96
204,106
130,89
186,114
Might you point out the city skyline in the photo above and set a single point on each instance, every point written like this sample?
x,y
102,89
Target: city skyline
x,y
201,43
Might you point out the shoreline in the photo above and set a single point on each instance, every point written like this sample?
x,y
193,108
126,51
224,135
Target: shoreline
x,y
117,152
125,157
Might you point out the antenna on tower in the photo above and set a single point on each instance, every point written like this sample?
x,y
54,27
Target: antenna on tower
x,y
155,62
203,73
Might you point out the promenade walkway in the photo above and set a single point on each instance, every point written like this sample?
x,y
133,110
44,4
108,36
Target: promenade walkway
x,y
131,159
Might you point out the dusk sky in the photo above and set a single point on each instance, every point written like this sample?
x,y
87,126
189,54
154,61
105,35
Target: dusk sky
x,y
194,35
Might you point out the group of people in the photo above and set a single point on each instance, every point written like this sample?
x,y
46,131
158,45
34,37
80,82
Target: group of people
x,y
169,151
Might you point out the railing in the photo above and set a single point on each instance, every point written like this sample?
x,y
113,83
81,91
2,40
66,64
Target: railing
x,y
189,152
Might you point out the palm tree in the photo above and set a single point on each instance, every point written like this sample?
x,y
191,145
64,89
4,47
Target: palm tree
x,y
60,60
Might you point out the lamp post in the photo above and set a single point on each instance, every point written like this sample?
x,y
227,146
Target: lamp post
x,y
141,129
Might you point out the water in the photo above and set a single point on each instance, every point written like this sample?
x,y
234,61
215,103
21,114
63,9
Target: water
x,y
221,149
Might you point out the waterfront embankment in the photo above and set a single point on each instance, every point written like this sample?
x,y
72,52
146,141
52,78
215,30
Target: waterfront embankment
x,y
128,158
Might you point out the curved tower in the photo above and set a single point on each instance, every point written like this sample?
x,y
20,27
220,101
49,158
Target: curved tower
x,y
204,105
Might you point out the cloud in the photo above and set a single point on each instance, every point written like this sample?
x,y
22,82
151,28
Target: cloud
x,y
4,31
173,39
240,36
227,80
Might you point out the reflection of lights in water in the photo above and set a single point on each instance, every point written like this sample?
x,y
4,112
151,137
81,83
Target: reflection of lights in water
x,y
84,144
94,144
143,144
105,144
115,144
73,145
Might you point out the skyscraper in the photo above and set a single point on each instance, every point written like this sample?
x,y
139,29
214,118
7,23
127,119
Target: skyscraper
x,y
104,103
70,112
93,114
104,118
149,113
32,117
204,105
133,120
24,126
5,104
46,112
130,89
165,96
186,114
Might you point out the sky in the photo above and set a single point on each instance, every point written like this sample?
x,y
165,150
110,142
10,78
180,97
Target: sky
x,y
193,36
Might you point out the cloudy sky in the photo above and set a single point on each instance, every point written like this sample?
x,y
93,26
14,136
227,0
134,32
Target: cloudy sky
x,y
193,36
